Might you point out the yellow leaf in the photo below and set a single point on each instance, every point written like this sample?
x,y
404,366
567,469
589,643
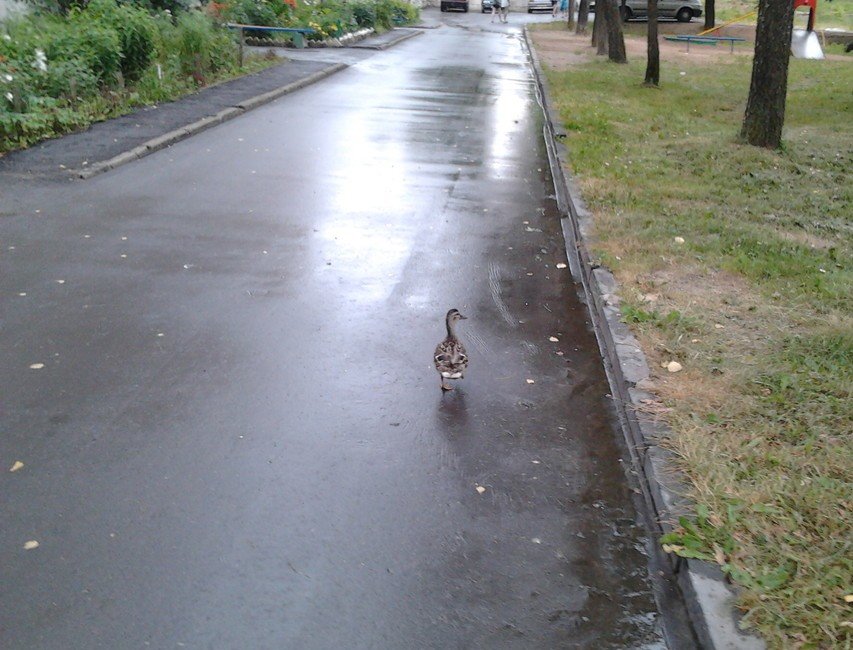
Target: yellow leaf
x,y
16,466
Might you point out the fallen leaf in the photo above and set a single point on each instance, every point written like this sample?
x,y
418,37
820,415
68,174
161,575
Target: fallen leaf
x,y
480,489
679,240
16,466
553,339
30,545
36,366
531,381
718,326
848,598
561,265
674,366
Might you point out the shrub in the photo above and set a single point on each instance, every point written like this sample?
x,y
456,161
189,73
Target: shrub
x,y
364,13
136,32
254,12
95,44
202,47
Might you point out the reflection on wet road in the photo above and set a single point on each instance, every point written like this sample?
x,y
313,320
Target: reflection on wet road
x,y
238,439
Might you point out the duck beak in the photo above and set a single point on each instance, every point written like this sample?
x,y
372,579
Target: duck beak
x,y
463,317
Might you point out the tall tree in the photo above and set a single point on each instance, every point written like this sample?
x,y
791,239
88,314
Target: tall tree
x,y
615,37
570,22
653,56
583,17
599,32
765,107
710,16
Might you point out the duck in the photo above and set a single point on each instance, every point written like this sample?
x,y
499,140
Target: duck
x,y
450,358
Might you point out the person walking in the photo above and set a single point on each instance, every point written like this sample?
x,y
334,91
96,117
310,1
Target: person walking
x,y
504,10
496,10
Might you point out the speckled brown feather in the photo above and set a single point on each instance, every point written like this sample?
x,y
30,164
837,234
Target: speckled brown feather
x,y
450,357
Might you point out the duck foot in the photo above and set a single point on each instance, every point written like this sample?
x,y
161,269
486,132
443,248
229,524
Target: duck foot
x,y
446,386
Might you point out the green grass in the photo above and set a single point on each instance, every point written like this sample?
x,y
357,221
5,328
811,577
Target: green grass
x,y
837,13
755,304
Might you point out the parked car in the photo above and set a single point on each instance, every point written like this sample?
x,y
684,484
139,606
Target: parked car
x,y
539,5
487,5
460,5
682,10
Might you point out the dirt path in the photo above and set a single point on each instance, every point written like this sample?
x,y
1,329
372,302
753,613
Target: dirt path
x,y
560,49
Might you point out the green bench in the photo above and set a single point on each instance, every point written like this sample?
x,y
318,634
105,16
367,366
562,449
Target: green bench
x,y
704,40
298,33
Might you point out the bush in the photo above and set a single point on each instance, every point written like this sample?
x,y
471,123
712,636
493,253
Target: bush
x,y
202,47
254,12
95,44
136,31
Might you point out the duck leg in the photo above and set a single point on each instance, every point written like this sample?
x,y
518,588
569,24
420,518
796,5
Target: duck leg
x,y
445,385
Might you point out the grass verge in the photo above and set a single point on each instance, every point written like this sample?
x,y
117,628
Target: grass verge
x,y
836,14
736,262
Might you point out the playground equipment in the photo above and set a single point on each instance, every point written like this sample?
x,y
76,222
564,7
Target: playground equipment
x,y
804,42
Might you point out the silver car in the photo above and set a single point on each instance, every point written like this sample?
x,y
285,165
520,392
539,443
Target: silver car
x,y
682,10
539,5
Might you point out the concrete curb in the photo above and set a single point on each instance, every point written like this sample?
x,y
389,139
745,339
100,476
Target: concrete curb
x,y
410,33
170,138
708,598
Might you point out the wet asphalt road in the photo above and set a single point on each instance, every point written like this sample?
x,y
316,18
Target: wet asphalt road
x,y
237,439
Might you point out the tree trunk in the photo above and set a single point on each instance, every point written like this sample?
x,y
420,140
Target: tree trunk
x,y
615,38
765,107
570,22
583,17
710,16
599,31
653,58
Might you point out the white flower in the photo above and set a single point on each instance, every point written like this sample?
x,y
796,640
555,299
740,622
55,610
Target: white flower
x,y
6,37
41,60
8,77
10,96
